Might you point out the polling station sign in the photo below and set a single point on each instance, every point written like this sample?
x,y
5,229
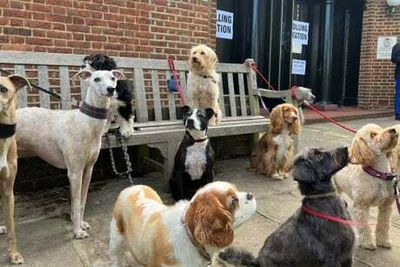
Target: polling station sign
x,y
300,32
224,24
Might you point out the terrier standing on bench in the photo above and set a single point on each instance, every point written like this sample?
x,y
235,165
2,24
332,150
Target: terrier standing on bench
x,y
8,159
71,139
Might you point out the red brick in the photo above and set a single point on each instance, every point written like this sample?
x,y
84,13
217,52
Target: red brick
x,y
17,31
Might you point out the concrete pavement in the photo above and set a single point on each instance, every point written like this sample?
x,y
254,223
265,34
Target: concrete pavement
x,y
45,233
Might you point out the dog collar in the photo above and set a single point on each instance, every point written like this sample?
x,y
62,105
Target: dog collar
x,y
323,195
197,140
94,112
293,92
386,176
202,251
7,130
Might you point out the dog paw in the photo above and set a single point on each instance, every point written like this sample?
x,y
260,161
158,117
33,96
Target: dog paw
x,y
81,234
126,132
384,243
16,258
85,225
278,177
368,245
3,230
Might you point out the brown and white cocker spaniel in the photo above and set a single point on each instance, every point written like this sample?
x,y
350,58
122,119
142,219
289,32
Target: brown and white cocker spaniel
x,y
186,234
273,153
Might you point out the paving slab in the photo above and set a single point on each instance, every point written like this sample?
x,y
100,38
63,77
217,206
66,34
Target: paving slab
x,y
45,233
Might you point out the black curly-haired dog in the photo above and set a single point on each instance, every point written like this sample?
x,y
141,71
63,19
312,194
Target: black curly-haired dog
x,y
121,106
304,239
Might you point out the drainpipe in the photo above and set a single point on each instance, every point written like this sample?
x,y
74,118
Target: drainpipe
x,y
327,58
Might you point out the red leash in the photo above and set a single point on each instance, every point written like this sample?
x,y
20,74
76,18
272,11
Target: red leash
x,y
332,218
175,75
329,118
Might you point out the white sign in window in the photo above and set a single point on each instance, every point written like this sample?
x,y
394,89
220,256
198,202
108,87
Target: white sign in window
x,y
300,32
224,24
299,67
385,46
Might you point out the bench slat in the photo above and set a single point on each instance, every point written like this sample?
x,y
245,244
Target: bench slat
x,y
274,94
44,82
171,100
65,87
221,100
156,95
140,96
243,106
22,93
231,89
59,59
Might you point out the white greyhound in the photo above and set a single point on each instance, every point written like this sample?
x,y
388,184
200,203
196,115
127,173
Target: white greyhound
x,y
70,139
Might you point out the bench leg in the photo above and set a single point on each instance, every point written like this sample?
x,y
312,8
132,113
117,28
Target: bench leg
x,y
168,151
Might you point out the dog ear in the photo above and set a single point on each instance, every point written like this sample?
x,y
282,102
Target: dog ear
x,y
118,74
303,173
209,113
19,81
277,119
84,74
209,222
186,109
296,127
360,153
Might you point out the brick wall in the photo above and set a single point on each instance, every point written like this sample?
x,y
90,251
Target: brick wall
x,y
376,82
136,28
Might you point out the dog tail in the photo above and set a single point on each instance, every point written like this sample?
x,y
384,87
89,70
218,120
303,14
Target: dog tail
x,y
238,257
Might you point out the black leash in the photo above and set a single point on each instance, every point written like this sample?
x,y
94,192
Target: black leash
x,y
56,95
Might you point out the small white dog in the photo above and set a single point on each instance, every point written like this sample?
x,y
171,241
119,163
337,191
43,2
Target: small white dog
x,y
183,235
70,139
203,81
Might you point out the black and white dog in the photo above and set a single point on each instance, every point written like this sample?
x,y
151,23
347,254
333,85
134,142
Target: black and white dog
x,y
308,238
193,166
121,110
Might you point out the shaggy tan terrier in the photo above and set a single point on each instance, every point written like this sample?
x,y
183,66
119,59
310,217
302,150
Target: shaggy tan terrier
x,y
368,151
203,81
273,153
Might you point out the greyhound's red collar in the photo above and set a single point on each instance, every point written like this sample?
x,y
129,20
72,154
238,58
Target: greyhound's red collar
x,y
94,112
293,92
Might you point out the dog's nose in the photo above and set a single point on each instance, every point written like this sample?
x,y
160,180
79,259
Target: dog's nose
x,y
189,123
110,90
392,131
194,59
249,196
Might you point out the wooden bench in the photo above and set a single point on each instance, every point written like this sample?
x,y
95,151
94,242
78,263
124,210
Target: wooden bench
x,y
157,117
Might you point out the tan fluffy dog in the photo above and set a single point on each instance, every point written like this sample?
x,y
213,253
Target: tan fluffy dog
x,y
8,159
186,234
368,149
203,81
273,153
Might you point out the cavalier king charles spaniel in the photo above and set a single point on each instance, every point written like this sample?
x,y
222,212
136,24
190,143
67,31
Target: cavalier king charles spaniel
x,y
188,233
